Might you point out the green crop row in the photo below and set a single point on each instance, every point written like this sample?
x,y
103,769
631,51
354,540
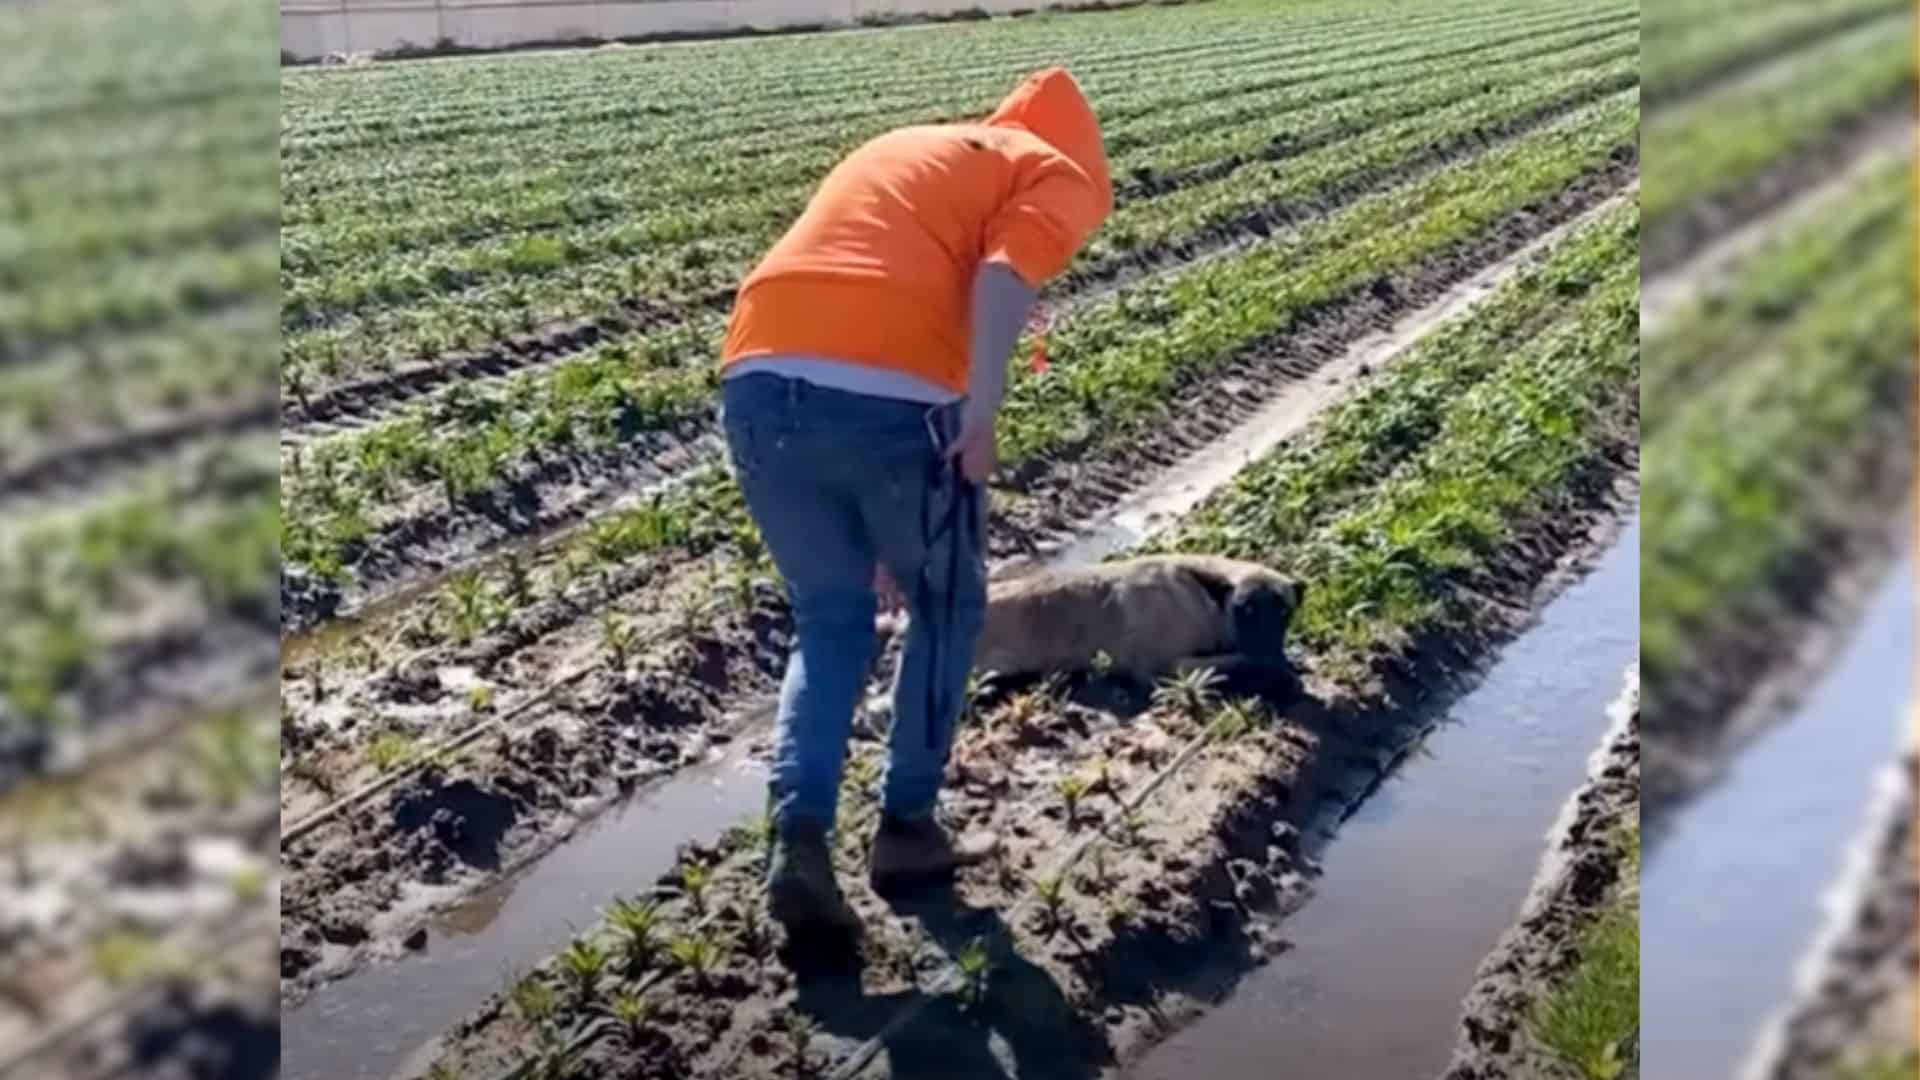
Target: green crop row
x,y
1120,363
727,81
1681,55
702,200
1751,479
1724,328
1115,363
75,585
1393,495
413,216
1176,219
1286,497
1700,155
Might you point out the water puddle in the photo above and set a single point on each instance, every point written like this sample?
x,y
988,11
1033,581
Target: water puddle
x,y
1716,964
1432,868
369,1026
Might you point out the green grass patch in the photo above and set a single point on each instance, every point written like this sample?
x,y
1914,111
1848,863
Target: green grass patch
x,y
1590,1020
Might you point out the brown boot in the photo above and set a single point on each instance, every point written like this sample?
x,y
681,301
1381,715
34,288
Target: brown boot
x,y
802,894
918,851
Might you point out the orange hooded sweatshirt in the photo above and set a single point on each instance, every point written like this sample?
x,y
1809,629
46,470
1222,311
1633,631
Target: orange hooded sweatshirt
x,y
879,268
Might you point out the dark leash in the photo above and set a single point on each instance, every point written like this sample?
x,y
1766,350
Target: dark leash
x,y
957,522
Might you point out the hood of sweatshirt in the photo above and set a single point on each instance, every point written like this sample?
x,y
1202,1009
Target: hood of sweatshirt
x,y
1049,104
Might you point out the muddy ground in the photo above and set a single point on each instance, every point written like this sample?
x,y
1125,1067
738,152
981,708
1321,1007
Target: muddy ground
x,y
1166,917
1860,1004
1580,875
363,885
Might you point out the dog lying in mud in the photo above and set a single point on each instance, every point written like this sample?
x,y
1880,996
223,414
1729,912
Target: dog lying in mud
x,y
1149,617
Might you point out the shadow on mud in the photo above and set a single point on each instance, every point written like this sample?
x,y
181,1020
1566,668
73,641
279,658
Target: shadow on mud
x,y
1040,1034
179,1037
470,822
1024,1026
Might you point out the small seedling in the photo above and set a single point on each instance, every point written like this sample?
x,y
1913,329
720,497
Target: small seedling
x,y
976,967
582,964
1235,719
631,1012
799,1031
391,750
519,574
635,924
248,884
619,636
753,930
1193,694
1072,789
699,954
695,881
1052,892
535,999
480,699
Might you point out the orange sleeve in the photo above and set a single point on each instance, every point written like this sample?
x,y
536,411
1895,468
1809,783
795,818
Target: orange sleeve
x,y
1052,212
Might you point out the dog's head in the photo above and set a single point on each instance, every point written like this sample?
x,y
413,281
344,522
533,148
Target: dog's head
x,y
1262,609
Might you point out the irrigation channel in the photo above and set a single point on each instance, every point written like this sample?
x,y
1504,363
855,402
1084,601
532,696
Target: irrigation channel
x,y
1736,889
1541,716
1431,868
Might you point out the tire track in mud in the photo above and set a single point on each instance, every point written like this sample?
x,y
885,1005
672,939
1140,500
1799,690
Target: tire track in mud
x,y
561,492
84,467
1578,877
581,739
365,401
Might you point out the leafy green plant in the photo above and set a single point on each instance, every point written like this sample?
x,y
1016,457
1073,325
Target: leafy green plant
x,y
1052,893
1192,694
1071,789
695,881
582,964
799,1031
392,750
700,955
636,925
632,1013
976,967
619,636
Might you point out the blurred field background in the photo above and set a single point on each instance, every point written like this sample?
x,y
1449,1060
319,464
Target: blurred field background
x,y
1778,338
139,538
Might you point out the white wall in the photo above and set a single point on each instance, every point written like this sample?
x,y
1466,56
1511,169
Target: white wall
x,y
310,29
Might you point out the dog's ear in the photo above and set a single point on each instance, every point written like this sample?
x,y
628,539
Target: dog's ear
x,y
1297,592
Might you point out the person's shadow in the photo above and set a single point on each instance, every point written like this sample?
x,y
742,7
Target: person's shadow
x,y
1023,1027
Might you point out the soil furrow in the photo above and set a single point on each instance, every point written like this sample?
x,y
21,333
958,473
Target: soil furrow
x,y
141,686
73,469
364,401
1678,239
695,686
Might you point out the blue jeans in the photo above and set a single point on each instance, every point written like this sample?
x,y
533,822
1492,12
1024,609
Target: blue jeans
x,y
839,483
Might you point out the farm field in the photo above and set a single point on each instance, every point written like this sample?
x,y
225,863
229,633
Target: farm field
x,y
139,540
1779,332
521,586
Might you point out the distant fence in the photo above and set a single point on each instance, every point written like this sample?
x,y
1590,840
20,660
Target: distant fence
x,y
312,29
